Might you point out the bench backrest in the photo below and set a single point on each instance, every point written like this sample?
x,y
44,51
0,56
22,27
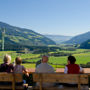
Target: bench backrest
x,y
10,77
62,78
18,78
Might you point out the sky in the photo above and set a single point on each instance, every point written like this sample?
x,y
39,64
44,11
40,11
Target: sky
x,y
58,17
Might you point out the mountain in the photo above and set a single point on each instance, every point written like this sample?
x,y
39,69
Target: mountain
x,y
58,38
85,45
79,38
25,37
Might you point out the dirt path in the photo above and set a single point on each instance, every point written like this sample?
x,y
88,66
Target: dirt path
x,y
61,70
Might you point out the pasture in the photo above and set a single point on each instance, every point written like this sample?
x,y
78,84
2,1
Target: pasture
x,y
82,56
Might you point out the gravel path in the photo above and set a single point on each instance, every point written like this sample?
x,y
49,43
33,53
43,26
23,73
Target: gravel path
x,y
61,70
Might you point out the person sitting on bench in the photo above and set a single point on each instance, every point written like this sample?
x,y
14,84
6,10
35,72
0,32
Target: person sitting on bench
x,y
44,67
71,67
7,66
20,68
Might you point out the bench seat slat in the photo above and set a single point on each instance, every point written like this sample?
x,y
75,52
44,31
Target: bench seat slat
x,y
13,78
64,78
18,77
55,88
6,77
60,78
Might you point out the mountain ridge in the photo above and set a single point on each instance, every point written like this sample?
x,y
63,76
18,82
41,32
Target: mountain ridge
x,y
78,39
23,36
85,45
58,38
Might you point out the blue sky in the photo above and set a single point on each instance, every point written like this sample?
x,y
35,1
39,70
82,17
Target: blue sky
x,y
60,17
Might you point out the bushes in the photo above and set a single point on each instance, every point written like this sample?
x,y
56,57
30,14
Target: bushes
x,y
57,54
85,65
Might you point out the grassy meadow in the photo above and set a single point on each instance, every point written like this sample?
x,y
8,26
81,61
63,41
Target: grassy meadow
x,y
82,56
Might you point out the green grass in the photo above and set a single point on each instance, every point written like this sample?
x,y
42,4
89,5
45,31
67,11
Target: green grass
x,y
76,51
58,60
29,65
82,56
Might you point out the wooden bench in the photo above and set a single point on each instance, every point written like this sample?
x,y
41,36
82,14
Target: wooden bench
x,y
60,78
9,81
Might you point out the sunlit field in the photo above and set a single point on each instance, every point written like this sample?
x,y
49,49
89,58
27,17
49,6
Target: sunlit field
x,y
82,58
30,59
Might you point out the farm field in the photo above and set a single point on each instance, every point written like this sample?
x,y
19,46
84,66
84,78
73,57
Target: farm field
x,y
82,56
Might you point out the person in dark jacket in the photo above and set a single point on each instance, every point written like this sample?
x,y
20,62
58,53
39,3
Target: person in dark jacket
x,y
7,66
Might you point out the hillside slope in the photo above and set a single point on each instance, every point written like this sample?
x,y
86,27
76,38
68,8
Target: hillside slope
x,y
21,36
85,45
79,38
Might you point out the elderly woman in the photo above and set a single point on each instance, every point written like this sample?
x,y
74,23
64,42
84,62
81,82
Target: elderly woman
x,y
6,66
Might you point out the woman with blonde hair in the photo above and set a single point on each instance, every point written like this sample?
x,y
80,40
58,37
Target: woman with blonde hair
x,y
6,66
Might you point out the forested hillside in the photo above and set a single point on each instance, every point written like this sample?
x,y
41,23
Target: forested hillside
x,y
23,37
85,45
79,38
